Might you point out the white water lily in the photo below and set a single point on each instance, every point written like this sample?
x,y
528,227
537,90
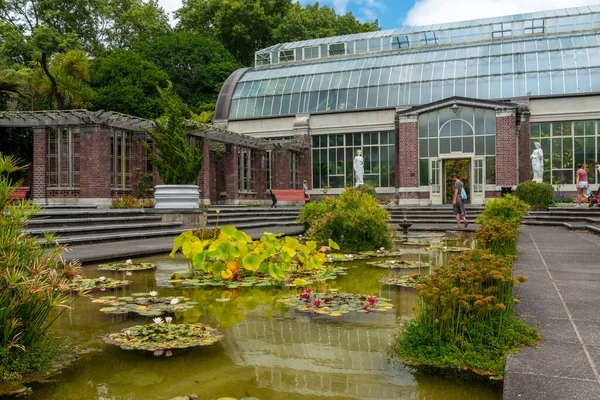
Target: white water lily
x,y
349,256
158,320
168,320
174,300
153,293
127,333
128,262
102,279
168,353
382,248
158,353
392,262
128,273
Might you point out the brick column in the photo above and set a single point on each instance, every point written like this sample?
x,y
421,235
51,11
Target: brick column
x,y
281,169
230,168
304,158
407,152
94,181
506,148
259,174
40,165
524,149
204,180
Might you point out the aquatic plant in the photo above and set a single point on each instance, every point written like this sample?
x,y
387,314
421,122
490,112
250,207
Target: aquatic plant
x,y
88,284
355,221
400,264
404,281
32,276
127,265
464,315
335,304
144,304
160,336
234,255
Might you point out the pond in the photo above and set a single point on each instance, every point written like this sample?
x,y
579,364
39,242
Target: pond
x,y
266,352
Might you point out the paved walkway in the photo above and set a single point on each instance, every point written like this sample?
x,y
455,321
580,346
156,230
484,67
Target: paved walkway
x,y
562,298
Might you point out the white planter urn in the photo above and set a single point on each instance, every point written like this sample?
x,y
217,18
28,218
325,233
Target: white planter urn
x,y
176,196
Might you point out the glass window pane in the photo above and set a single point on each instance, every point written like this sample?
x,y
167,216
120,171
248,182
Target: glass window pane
x,y
433,147
423,147
468,144
423,172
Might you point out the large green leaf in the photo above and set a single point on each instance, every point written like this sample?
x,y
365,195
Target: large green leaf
x,y
333,244
312,246
251,262
276,272
199,261
178,241
229,232
218,267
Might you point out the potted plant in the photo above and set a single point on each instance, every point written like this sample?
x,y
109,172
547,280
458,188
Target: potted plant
x,y
177,161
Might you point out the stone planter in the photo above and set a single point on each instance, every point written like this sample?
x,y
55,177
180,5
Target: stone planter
x,y
176,196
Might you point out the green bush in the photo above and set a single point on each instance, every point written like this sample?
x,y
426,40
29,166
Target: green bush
x,y
537,195
32,278
505,209
355,221
367,189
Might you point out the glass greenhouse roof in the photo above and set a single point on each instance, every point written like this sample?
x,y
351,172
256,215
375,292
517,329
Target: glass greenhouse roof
x,y
538,64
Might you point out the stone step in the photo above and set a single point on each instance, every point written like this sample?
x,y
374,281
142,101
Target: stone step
x,y
75,230
98,220
594,220
68,206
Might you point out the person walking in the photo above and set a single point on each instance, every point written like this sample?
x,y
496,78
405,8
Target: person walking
x,y
581,183
457,202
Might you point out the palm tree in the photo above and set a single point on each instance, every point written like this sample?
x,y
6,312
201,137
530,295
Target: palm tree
x,y
64,81
15,82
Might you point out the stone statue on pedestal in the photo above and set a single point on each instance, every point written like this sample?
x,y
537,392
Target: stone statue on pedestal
x,y
359,169
537,163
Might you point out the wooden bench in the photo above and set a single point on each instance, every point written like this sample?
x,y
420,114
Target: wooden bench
x,y
289,195
19,194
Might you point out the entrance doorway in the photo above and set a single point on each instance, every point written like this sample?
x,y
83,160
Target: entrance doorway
x,y
461,167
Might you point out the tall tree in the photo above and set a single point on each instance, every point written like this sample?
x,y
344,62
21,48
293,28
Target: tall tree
x,y
197,65
123,81
313,21
62,82
243,26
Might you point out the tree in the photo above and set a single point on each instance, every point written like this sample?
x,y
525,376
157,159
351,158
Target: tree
x,y
197,65
177,162
313,21
243,26
123,81
63,82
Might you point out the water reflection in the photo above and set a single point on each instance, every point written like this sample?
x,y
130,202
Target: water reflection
x,y
268,351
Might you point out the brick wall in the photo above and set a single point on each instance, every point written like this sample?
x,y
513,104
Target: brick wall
x,y
94,181
259,175
506,149
40,161
281,169
138,162
229,165
204,181
524,150
407,153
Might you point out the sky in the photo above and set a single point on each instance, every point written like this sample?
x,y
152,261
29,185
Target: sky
x,y
400,13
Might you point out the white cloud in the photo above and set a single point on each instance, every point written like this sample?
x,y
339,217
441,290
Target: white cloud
x,y
427,12
369,9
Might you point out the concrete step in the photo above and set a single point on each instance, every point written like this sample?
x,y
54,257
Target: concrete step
x,y
593,220
68,206
98,220
62,213
72,230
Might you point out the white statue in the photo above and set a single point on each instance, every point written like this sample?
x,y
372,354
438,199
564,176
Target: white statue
x,y
359,169
537,163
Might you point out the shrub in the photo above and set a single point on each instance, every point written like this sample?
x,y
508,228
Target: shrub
x,y
506,209
125,202
148,203
537,195
367,189
500,238
355,221
32,276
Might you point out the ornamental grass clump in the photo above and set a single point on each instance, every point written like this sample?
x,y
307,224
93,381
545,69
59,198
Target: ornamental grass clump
x,y
464,316
32,279
354,221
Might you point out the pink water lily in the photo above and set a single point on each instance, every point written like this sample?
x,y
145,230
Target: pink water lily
x,y
317,303
304,296
308,291
372,300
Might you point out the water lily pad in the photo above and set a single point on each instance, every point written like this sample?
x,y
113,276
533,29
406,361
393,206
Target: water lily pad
x,y
399,264
404,281
124,266
144,304
290,280
335,304
102,283
158,337
450,249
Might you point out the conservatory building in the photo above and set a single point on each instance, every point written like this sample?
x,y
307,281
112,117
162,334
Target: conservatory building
x,y
420,103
